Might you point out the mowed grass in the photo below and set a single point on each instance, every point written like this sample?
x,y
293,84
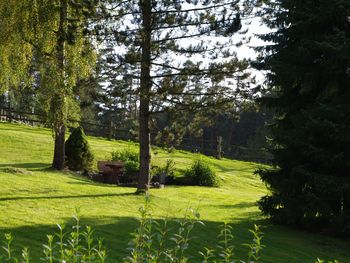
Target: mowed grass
x,y
33,198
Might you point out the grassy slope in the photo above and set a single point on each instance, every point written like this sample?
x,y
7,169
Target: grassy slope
x,y
32,203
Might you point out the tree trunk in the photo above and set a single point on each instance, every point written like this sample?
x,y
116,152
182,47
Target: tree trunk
x,y
145,87
60,128
59,152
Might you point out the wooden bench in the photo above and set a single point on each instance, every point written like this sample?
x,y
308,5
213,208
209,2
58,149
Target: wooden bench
x,y
111,171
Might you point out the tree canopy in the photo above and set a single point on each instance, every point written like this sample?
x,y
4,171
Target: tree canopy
x,y
15,52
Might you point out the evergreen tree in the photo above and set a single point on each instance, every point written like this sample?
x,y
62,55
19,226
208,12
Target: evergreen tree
x,y
308,60
78,154
118,104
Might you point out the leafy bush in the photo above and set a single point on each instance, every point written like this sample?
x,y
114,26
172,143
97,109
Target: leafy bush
x,y
168,169
131,167
201,174
130,158
78,154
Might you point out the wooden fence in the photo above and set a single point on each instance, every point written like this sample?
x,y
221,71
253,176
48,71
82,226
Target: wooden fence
x,y
216,148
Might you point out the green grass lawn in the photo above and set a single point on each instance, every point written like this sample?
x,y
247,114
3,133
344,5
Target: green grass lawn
x,y
33,200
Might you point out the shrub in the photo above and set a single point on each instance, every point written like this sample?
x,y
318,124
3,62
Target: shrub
x,y
201,174
168,169
78,154
130,158
131,167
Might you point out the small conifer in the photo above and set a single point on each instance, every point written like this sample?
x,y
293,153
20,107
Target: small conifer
x,y
78,154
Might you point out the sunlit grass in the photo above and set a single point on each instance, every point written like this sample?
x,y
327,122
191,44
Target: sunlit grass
x,y
33,198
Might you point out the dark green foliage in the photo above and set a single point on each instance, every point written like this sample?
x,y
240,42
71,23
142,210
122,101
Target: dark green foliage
x,y
310,80
201,174
130,158
78,154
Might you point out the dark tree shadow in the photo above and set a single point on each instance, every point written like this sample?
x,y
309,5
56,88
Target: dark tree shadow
x,y
45,167
281,244
16,198
29,166
239,205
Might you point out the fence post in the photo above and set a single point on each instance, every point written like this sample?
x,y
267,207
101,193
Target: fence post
x,y
219,147
202,144
110,132
10,115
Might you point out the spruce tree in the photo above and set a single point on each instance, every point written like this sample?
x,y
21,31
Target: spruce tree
x,y
308,65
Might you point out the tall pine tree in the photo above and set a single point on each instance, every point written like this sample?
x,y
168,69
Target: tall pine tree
x,y
180,52
308,60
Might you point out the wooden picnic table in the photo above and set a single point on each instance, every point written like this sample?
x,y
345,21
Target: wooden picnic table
x,y
117,170
111,170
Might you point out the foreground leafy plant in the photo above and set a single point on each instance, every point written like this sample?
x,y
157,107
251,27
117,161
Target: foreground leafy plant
x,y
155,242
75,246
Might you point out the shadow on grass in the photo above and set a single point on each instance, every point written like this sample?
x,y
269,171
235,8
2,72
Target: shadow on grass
x,y
15,198
30,166
238,205
44,167
281,244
